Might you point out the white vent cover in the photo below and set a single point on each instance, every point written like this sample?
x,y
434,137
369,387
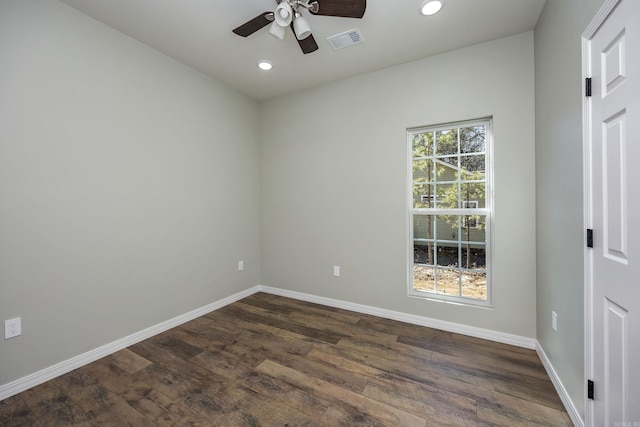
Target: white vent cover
x,y
346,39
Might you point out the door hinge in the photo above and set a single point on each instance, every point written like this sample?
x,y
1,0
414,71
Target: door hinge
x,y
587,86
589,238
590,388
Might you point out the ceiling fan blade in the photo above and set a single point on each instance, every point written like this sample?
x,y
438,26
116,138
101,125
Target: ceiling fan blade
x,y
308,45
343,8
254,25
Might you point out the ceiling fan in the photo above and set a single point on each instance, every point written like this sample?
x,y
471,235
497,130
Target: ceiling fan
x,y
287,14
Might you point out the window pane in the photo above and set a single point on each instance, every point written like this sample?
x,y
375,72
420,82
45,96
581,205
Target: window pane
x,y
472,139
447,254
474,257
447,169
424,196
447,227
424,278
473,191
423,144
446,142
474,285
473,228
447,281
423,229
423,170
472,165
447,196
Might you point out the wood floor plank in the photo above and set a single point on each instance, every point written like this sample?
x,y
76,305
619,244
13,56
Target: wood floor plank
x,y
294,305
268,360
318,334
535,389
346,416
412,367
435,415
506,369
231,366
158,408
129,361
14,411
244,326
325,323
265,410
324,372
406,394
453,345
207,340
401,329
524,414
50,403
325,390
267,343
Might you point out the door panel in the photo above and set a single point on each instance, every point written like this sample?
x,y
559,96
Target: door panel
x,y
613,64
614,198
616,362
614,191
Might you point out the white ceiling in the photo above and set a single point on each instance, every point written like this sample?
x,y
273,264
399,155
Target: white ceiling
x,y
198,33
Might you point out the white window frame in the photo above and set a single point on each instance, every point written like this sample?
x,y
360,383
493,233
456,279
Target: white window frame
x,y
487,211
471,204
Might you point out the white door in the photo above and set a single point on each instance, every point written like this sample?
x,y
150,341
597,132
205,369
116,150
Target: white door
x,y
613,190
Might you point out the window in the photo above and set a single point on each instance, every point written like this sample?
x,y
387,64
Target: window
x,y
450,212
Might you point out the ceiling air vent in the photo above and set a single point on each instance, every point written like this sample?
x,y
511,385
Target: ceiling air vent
x,y
346,39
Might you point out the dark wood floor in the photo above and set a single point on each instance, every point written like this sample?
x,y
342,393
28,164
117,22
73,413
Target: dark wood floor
x,y
274,361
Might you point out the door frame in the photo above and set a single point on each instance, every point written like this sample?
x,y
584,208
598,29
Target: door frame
x,y
587,35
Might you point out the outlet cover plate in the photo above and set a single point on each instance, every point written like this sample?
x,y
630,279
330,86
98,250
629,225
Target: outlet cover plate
x,y
12,328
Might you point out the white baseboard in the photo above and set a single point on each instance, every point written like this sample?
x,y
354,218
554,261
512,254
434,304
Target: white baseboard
x,y
562,392
487,334
25,383
32,380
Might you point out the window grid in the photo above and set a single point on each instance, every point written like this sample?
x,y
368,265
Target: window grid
x,y
450,188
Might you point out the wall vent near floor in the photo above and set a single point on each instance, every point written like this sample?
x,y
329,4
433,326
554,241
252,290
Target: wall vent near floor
x,y
346,39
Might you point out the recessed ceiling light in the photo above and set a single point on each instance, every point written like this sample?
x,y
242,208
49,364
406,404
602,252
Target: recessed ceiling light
x,y
265,65
430,7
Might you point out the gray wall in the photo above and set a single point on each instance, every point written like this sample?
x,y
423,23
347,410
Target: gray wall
x,y
128,186
559,187
334,180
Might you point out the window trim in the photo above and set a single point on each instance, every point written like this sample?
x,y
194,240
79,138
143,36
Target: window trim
x,y
487,210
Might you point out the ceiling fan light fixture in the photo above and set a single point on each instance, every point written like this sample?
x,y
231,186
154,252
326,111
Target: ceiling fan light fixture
x,y
284,14
301,27
430,7
276,30
265,65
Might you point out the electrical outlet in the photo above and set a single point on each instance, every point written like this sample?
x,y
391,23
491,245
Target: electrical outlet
x,y
240,265
12,328
336,270
554,321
